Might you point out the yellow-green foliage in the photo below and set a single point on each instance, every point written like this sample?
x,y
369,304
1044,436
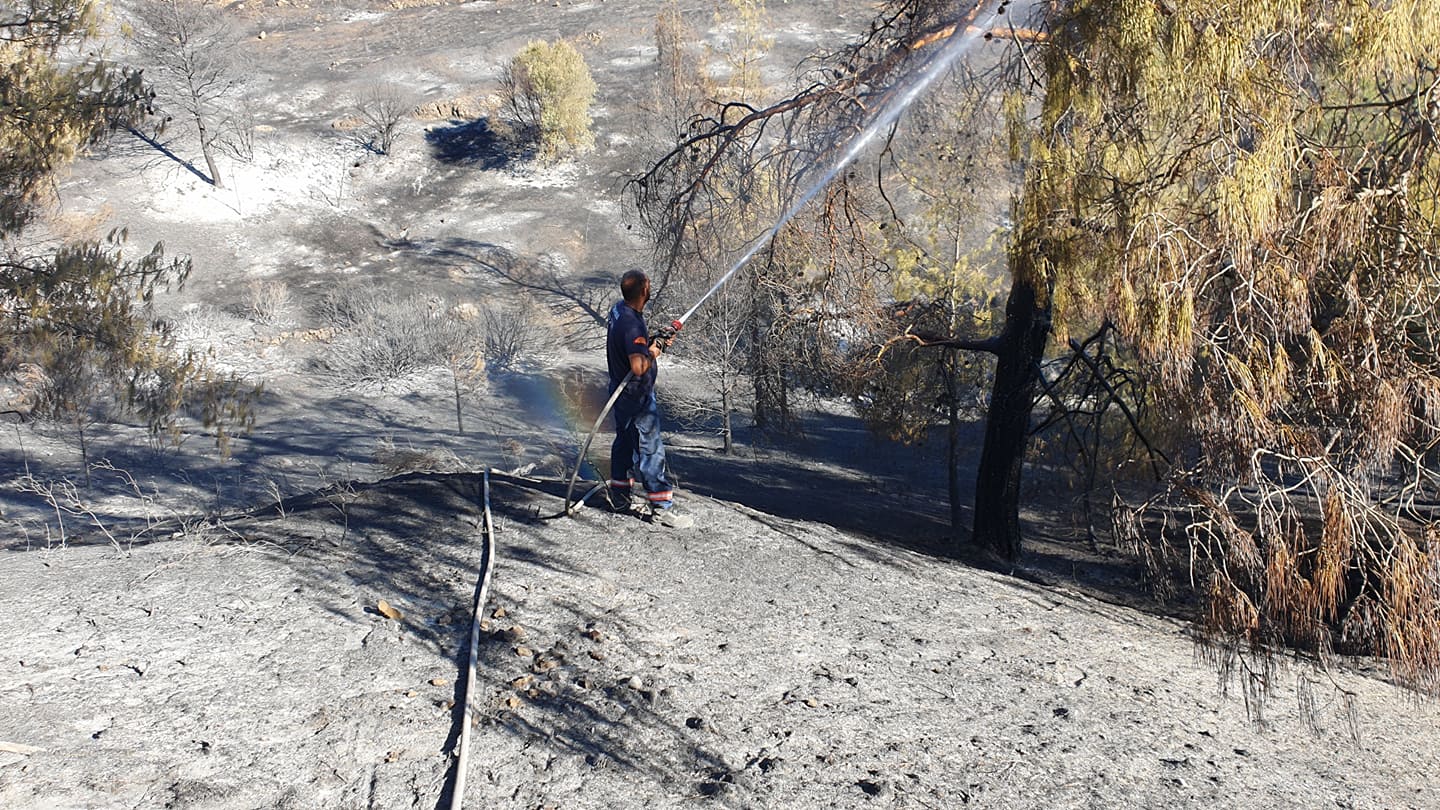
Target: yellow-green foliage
x,y
549,90
1247,191
943,287
50,108
750,41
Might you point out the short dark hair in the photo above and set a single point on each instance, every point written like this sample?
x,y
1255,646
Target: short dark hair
x,y
632,285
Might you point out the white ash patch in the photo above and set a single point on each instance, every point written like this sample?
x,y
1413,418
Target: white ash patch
x,y
560,175
281,175
364,16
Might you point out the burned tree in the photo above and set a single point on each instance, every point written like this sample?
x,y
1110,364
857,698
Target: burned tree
x,y
774,324
190,47
1245,198
1253,208
833,290
380,109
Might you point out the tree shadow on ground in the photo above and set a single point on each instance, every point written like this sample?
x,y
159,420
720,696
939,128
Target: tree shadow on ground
x,y
164,149
451,265
416,539
836,472
473,143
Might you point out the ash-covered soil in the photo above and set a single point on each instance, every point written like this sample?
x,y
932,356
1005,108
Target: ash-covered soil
x,y
806,646
754,662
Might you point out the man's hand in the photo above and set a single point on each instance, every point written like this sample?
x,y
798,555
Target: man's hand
x,y
663,336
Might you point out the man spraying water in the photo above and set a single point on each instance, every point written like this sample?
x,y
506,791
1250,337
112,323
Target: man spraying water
x,y
903,95
631,354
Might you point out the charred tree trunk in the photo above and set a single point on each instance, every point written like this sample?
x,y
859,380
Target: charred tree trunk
x,y
1007,423
207,150
953,453
727,430
459,414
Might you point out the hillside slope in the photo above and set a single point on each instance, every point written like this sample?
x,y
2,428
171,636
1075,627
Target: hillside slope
x,y
754,662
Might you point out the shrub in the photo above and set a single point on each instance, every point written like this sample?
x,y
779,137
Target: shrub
x,y
380,338
546,90
380,110
269,302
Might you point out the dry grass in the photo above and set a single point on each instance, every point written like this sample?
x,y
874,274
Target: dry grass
x,y
269,302
396,460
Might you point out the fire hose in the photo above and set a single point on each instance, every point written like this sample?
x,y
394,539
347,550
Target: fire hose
x,y
487,565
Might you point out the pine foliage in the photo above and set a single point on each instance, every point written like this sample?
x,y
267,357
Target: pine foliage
x,y
1242,197
1247,192
79,338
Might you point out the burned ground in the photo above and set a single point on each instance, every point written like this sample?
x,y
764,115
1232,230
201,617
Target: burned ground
x,y
759,662
815,642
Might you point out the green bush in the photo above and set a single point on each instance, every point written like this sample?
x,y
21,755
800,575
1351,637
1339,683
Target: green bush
x,y
547,91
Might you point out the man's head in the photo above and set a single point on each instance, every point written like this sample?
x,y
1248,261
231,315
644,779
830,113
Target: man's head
x,y
635,288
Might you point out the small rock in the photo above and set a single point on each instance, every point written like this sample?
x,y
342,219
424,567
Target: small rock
x,y
635,683
874,788
513,701
498,613
696,723
438,682
545,664
594,635
716,781
811,702
524,652
597,655
412,693
515,633
262,35
522,683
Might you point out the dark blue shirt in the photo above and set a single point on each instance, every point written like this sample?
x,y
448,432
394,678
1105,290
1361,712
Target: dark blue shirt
x,y
626,335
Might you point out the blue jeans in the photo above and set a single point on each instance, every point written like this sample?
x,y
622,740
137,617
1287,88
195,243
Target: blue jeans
x,y
638,449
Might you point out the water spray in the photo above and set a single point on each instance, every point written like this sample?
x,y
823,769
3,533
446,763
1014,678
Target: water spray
x,y
888,115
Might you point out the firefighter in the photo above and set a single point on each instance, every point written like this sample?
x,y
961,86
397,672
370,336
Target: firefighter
x,y
638,450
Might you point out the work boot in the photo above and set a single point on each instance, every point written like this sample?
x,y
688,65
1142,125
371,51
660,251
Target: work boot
x,y
670,517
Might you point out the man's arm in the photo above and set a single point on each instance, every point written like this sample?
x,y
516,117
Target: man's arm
x,y
640,362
